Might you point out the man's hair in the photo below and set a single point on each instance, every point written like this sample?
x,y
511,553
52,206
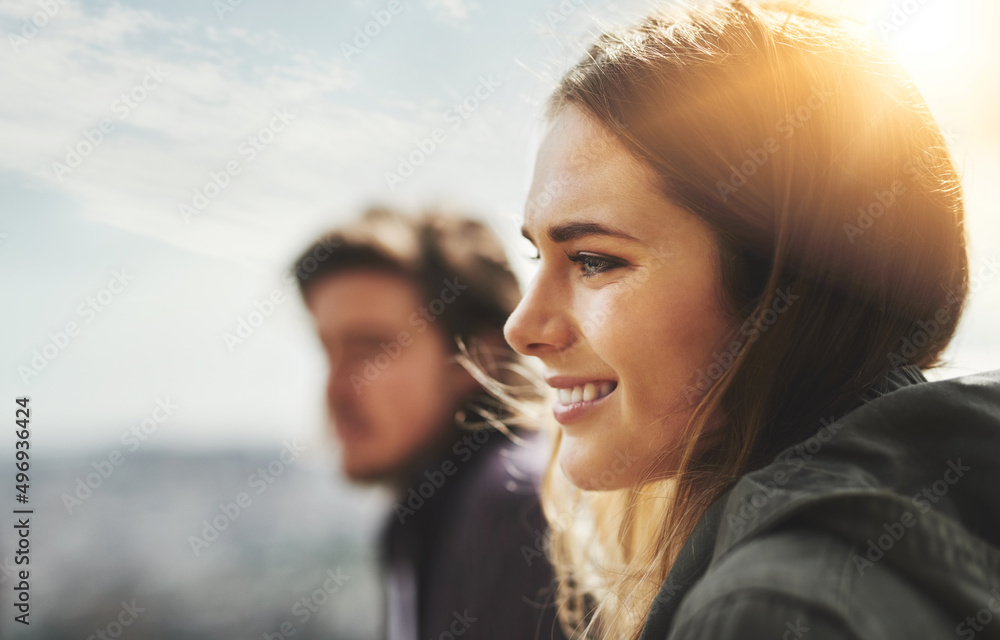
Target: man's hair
x,y
435,250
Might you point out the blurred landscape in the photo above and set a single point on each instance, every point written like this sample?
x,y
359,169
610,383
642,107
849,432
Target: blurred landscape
x,y
129,542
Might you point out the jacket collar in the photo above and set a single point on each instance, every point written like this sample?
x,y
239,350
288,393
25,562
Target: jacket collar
x,y
723,526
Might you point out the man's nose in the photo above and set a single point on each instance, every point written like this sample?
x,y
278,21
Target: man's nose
x,y
338,383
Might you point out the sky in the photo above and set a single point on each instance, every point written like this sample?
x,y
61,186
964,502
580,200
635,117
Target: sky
x,y
162,164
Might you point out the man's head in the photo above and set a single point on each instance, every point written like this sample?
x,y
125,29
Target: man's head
x,y
389,301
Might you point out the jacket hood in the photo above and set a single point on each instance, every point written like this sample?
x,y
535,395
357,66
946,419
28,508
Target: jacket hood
x,y
911,477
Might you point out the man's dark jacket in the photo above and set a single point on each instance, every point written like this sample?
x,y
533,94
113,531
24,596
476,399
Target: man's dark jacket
x,y
884,524
460,529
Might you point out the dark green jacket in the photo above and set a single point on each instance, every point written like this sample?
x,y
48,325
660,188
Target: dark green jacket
x,y
884,524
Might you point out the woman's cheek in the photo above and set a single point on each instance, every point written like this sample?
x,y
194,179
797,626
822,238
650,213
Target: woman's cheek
x,y
608,315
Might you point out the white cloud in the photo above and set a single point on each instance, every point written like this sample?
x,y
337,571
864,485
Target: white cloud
x,y
220,86
454,10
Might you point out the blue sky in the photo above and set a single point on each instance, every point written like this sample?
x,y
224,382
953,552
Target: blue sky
x,y
202,87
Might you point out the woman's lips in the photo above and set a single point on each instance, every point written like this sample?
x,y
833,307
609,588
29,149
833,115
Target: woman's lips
x,y
578,400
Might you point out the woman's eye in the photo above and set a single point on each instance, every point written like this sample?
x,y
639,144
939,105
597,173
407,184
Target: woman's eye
x,y
591,265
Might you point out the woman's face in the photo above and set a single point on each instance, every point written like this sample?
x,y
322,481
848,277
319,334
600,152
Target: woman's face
x,y
625,308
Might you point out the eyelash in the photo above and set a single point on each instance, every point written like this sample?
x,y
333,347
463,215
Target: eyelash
x,y
583,259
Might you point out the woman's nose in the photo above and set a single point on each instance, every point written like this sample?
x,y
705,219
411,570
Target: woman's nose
x,y
540,323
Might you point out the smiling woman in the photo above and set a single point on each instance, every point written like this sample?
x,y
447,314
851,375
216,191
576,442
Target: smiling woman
x,y
757,209
606,269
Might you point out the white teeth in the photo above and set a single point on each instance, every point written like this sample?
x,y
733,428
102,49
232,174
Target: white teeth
x,y
584,393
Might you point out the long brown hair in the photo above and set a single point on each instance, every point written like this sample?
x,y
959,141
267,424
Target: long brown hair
x,y
827,182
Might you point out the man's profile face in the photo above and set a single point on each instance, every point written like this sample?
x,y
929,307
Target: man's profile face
x,y
392,387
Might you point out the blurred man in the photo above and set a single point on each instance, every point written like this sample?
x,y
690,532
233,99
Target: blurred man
x,y
390,296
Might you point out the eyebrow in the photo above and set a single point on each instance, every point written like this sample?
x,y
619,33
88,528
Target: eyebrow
x,y
573,230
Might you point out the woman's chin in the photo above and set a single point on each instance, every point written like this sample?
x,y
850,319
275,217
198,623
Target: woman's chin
x,y
593,467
